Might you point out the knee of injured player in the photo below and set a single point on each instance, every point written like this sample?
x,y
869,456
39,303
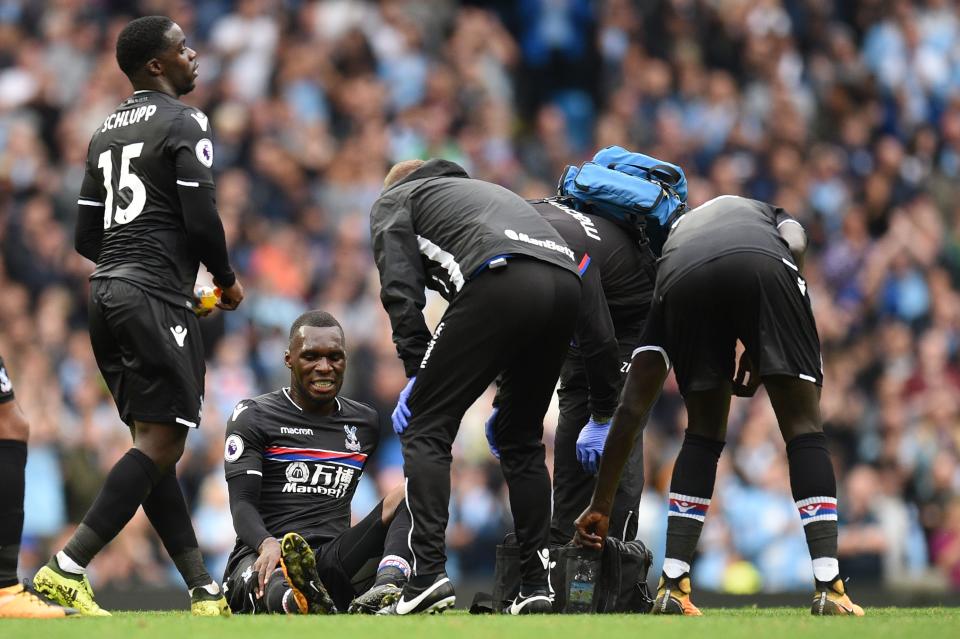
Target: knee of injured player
x,y
392,502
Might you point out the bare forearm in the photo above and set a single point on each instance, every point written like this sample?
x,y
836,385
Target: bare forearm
x,y
616,452
648,370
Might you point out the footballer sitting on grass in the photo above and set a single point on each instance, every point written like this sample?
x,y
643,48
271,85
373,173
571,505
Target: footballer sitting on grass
x,y
293,459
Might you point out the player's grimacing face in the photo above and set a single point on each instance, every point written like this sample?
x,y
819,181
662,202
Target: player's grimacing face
x,y
317,361
180,64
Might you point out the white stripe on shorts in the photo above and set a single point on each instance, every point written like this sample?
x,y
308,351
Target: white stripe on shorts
x,y
663,353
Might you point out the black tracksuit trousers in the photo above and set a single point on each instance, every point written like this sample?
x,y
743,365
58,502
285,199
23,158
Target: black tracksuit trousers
x,y
572,485
515,321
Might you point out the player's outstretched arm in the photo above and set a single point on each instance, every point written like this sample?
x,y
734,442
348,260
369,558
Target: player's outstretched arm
x,y
648,370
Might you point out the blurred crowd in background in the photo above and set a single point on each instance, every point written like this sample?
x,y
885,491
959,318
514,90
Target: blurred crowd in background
x,y
847,114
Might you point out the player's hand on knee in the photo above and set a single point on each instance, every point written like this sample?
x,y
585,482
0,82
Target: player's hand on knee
x,y
590,444
266,562
491,436
591,528
231,296
401,414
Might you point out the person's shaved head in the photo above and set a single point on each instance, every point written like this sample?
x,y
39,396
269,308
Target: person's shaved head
x,y
401,170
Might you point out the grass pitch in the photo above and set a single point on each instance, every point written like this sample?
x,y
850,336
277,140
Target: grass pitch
x,y
755,623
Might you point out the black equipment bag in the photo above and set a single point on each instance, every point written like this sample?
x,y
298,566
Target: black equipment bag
x,y
619,586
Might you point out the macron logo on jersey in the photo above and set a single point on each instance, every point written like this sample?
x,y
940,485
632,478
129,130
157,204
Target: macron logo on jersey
x,y
179,334
295,431
237,410
201,120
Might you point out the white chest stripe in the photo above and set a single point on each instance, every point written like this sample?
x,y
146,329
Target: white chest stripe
x,y
444,259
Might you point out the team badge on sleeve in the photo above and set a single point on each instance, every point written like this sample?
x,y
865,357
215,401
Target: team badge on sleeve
x,y
233,448
205,152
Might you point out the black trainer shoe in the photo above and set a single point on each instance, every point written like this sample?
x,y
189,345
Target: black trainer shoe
x,y
536,603
436,597
300,568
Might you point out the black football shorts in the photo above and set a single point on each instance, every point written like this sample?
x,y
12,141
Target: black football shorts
x,y
150,353
759,299
6,386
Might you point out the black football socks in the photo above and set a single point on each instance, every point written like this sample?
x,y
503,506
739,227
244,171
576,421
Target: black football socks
x,y
814,488
167,511
691,488
394,567
13,461
127,486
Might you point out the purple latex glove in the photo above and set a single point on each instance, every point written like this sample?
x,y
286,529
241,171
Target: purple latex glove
x,y
491,439
401,414
590,444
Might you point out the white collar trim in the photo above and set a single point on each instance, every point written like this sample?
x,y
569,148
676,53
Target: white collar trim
x,y
286,394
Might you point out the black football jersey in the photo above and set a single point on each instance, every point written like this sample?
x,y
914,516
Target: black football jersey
x,y
310,465
724,225
151,143
625,266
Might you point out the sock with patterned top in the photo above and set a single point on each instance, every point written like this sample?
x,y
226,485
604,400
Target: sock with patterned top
x,y
691,488
814,488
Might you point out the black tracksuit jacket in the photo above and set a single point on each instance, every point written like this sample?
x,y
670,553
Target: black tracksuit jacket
x,y
438,228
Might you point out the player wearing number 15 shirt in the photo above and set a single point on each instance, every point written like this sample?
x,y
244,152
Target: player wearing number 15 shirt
x,y
147,218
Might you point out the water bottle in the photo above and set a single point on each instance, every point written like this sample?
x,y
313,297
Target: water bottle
x,y
584,568
205,298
